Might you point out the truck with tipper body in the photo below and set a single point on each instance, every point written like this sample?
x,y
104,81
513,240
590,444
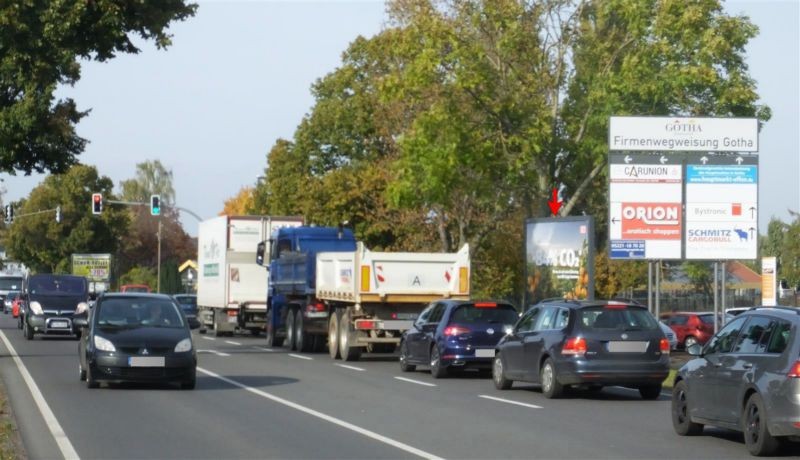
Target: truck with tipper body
x,y
231,287
327,289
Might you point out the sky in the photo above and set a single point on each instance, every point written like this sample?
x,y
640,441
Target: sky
x,y
238,77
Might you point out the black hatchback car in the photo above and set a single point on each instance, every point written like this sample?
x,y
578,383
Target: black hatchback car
x,y
588,344
746,378
456,334
137,338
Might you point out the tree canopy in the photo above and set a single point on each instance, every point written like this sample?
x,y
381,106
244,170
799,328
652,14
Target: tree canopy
x,y
456,121
44,245
42,43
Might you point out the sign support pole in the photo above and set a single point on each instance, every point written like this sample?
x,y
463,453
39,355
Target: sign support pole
x,y
658,289
722,287
716,295
650,286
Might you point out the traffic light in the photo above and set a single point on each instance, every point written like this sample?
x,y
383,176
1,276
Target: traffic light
x,y
155,205
58,214
97,203
9,214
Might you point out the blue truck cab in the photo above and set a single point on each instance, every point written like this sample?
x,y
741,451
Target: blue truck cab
x,y
291,266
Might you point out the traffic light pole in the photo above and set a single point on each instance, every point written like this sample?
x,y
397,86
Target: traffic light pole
x,y
57,210
158,271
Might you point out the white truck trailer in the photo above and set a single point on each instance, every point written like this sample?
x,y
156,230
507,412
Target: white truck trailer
x,y
231,287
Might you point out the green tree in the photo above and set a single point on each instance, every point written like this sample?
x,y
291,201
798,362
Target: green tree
x,y
44,245
151,178
139,247
170,278
140,275
42,43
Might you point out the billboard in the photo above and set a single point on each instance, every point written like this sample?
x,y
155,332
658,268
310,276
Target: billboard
x,y
721,207
95,267
680,134
559,258
645,207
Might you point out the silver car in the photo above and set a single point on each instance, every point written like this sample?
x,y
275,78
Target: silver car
x,y
670,335
746,378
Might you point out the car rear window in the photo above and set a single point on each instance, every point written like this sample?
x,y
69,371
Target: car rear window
x,y
484,313
625,318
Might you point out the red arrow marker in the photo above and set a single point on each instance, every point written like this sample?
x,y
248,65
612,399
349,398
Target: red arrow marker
x,y
554,204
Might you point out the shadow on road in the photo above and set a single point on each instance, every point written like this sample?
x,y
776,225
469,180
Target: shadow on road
x,y
788,449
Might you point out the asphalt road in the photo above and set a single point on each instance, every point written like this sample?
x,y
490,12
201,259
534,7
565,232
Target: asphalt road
x,y
253,402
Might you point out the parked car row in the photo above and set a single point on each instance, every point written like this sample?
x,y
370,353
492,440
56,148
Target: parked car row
x,y
746,377
558,344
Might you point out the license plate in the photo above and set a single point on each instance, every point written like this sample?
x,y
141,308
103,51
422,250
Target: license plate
x,y
59,324
627,347
232,319
484,353
146,361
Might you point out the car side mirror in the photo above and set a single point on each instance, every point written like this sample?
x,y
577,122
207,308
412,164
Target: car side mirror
x,y
194,323
695,349
429,327
80,322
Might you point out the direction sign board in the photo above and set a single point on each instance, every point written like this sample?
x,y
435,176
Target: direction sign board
x,y
680,134
721,207
645,206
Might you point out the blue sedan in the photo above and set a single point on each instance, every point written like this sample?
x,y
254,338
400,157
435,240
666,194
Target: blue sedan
x,y
456,334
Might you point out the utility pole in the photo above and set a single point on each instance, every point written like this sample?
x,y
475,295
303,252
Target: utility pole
x,y
158,271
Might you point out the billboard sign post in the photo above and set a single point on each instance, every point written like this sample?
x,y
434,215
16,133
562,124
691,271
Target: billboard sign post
x,y
681,134
559,258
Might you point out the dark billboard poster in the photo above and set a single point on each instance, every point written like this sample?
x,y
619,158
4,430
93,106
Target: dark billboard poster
x,y
559,258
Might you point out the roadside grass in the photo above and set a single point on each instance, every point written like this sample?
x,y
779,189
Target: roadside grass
x,y
10,441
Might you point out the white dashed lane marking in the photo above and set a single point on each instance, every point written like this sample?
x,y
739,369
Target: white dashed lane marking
x,y
349,367
300,356
416,381
215,352
232,342
508,401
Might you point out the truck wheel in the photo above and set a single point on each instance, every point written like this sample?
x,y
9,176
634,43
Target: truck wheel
x,y
347,336
333,334
304,342
290,337
272,341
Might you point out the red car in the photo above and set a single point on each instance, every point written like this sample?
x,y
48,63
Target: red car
x,y
691,327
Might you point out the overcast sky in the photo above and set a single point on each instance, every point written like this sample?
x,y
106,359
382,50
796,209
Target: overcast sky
x,y
238,76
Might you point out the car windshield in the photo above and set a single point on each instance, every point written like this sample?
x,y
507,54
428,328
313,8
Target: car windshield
x,y
624,318
54,285
138,312
485,313
10,284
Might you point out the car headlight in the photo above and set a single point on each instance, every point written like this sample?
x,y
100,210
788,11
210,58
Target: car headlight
x,y
103,344
81,308
36,308
183,345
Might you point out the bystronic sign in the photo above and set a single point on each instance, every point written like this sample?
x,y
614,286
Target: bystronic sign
x,y
675,134
721,207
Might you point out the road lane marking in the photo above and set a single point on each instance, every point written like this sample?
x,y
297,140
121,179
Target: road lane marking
x,y
327,418
416,381
208,338
300,356
264,349
218,353
232,342
349,367
49,417
532,406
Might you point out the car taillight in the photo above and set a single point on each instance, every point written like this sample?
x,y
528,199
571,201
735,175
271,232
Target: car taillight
x,y
664,345
455,330
795,371
486,305
232,313
318,306
574,346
